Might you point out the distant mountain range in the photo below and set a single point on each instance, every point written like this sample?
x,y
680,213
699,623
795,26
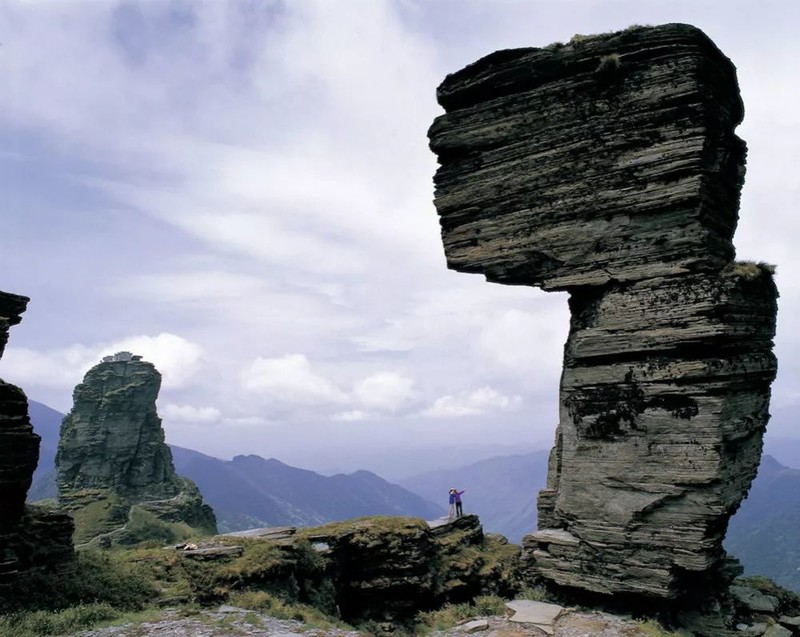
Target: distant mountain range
x,y
501,490
250,491
765,532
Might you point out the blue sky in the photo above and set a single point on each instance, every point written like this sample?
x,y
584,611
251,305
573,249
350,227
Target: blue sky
x,y
241,192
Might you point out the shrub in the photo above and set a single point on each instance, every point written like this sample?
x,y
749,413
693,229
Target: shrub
x,y
609,63
68,620
652,628
451,615
750,269
94,578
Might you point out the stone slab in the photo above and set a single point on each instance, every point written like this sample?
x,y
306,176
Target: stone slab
x,y
527,611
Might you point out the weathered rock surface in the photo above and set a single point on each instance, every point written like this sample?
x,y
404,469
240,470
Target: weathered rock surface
x,y
112,461
609,167
30,537
609,158
389,568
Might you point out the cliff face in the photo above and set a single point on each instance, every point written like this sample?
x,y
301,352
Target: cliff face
x,y
29,536
112,450
112,438
370,569
608,167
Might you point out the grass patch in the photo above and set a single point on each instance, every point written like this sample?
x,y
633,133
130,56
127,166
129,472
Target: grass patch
x,y
750,269
451,615
96,517
609,63
652,628
94,578
537,593
68,620
274,606
144,526
394,524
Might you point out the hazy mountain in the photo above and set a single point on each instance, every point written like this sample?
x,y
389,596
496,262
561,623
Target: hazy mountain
x,y
765,532
46,423
784,450
250,491
501,490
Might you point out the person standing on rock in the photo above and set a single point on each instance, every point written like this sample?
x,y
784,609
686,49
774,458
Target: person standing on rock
x,y
457,498
452,494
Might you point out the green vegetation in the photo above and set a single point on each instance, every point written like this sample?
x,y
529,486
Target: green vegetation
x,y
144,526
67,621
452,614
653,629
96,514
750,269
492,563
788,601
94,578
609,63
97,587
281,609
400,525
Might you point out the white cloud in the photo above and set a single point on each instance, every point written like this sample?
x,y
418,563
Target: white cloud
x,y
290,379
528,344
354,415
187,414
385,391
176,358
474,403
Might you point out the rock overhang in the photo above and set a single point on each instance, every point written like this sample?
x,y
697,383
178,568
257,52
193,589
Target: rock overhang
x,y
609,167
577,164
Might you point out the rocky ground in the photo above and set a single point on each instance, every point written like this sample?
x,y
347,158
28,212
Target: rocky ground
x,y
228,622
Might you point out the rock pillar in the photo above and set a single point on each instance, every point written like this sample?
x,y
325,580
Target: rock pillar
x,y
29,537
609,167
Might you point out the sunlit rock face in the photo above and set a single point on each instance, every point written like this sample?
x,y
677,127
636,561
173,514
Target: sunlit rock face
x,y
608,167
112,456
30,537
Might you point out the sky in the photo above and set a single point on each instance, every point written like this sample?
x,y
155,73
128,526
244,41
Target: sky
x,y
241,192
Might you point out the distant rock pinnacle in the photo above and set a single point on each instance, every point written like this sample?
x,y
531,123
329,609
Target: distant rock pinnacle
x,y
112,446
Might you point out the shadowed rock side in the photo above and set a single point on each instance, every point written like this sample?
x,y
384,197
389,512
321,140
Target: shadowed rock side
x,y
608,167
388,568
114,470
30,537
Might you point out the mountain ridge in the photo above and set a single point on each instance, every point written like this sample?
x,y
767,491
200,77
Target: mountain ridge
x,y
249,491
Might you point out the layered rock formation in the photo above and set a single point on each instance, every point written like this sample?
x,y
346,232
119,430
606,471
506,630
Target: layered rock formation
x,y
112,455
371,569
389,568
30,537
609,167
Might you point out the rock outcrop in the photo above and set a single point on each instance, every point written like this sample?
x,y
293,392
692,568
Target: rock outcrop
x,y
30,537
389,568
609,167
113,464
371,569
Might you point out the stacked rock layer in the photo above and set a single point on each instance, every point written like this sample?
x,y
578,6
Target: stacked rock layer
x,y
609,167
112,449
29,536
